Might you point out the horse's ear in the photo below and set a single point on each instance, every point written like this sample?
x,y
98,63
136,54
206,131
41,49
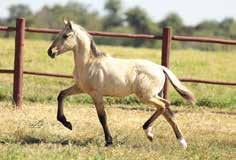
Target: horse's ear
x,y
65,21
70,24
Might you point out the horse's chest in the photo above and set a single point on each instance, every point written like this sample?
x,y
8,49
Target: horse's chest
x,y
89,81
85,85
81,82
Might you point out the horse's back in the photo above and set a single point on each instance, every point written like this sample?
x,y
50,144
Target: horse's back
x,y
142,77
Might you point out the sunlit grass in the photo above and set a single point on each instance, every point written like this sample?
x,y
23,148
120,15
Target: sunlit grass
x,y
34,133
217,65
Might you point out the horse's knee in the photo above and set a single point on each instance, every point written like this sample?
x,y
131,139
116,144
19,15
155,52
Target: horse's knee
x,y
61,96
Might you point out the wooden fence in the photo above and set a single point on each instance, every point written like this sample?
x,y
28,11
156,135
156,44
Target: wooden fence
x,y
166,38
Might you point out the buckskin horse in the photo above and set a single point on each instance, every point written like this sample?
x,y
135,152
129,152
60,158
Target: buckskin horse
x,y
98,75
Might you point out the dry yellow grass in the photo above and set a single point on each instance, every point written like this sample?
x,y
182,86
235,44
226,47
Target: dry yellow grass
x,y
34,133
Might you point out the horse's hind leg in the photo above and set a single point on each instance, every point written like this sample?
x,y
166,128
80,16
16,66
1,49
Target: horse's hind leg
x,y
160,105
62,95
171,120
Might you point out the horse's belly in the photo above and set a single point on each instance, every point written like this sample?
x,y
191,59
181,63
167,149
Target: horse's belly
x,y
116,88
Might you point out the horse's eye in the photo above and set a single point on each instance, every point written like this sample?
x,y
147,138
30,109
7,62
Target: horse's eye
x,y
64,36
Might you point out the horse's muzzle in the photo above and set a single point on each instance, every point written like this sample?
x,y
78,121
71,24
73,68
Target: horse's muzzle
x,y
51,53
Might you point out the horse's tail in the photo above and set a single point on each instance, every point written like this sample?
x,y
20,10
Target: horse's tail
x,y
180,88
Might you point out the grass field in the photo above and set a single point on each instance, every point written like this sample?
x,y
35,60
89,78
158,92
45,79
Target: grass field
x,y
35,134
185,63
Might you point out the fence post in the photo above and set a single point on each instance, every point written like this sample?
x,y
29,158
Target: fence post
x,y
166,46
18,62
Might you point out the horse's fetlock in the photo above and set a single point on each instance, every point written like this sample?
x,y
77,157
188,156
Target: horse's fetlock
x,y
145,126
109,142
61,118
108,138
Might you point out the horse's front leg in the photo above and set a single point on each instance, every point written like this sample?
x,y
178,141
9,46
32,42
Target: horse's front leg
x,y
62,95
98,101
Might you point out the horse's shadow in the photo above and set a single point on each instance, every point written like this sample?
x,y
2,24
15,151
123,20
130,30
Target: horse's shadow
x,y
85,142
30,140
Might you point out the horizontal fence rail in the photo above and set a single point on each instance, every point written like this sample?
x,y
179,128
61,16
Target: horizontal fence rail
x,y
203,40
192,80
128,35
59,75
7,29
95,33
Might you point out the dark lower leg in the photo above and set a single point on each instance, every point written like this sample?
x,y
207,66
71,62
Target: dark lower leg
x,y
98,101
173,124
103,120
147,125
60,114
149,122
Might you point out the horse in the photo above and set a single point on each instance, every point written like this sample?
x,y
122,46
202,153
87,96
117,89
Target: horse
x,y
99,75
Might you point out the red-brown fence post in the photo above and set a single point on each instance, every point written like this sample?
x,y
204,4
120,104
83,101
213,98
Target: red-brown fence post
x,y
18,62
166,46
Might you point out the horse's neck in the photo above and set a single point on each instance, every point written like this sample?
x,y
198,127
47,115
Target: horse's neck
x,y
81,57
82,52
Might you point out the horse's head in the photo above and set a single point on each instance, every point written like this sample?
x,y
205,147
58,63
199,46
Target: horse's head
x,y
65,41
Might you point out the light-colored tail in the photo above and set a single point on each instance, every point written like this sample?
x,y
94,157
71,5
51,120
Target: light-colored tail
x,y
180,88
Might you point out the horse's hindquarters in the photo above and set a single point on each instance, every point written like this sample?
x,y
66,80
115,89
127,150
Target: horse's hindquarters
x,y
147,86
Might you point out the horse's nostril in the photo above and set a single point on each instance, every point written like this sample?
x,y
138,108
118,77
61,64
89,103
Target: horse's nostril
x,y
50,53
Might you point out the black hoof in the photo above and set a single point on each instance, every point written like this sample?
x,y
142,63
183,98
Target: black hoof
x,y
66,123
150,138
108,144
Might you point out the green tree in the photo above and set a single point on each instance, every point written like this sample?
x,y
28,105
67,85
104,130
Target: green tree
x,y
228,25
19,11
138,19
113,6
53,16
114,16
172,20
207,28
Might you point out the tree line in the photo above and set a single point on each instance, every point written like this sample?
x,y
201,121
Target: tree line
x,y
116,19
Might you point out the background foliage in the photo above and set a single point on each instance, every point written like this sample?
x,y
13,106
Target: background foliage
x,y
117,19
